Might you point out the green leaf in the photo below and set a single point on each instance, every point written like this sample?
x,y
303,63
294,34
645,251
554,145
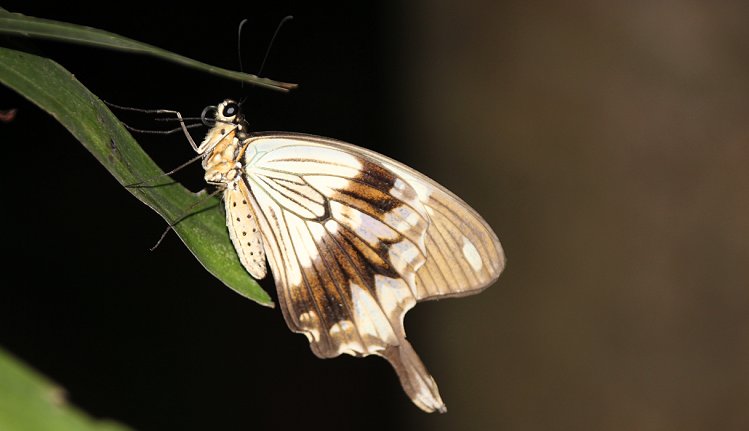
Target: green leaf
x,y
55,90
29,402
21,25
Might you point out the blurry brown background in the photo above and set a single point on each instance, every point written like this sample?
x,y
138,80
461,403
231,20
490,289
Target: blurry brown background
x,y
606,143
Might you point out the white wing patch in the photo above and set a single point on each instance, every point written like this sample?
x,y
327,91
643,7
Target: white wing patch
x,y
372,322
472,255
395,296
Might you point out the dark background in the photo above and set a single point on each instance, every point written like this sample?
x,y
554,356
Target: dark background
x,y
607,145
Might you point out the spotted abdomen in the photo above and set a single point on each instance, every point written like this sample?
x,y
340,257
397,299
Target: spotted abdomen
x,y
243,229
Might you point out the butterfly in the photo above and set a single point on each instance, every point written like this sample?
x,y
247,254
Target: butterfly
x,y
354,239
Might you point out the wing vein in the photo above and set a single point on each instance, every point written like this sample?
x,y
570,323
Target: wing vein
x,y
341,292
442,236
369,288
381,220
344,177
269,188
482,241
443,264
312,299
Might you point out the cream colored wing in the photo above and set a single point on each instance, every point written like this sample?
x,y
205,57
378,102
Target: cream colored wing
x,y
348,233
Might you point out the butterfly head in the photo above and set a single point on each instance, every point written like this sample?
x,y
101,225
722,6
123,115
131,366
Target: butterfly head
x,y
229,112
227,124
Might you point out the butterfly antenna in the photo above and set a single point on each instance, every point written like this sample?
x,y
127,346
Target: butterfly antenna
x,y
273,39
239,48
267,51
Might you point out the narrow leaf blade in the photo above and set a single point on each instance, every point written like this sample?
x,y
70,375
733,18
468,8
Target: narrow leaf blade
x,y
55,90
21,25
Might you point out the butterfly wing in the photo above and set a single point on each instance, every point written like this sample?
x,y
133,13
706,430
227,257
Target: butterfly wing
x,y
355,239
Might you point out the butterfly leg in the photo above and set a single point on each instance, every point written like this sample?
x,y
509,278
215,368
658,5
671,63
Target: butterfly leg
x,y
182,125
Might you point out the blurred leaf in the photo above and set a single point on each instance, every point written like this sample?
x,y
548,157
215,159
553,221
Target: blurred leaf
x,y
55,90
21,25
29,402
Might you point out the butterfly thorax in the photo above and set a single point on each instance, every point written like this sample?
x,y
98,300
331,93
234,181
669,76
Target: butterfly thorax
x,y
223,145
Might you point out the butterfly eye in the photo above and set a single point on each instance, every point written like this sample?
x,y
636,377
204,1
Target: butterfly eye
x,y
230,110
